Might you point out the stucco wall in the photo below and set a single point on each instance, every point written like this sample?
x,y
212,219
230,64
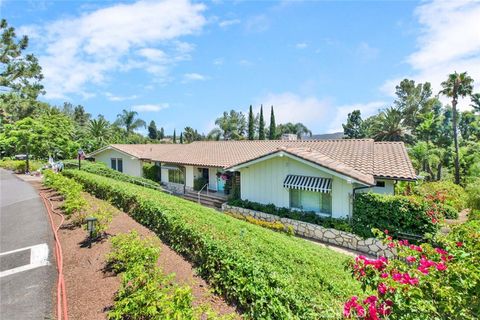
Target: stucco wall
x,y
131,165
388,189
263,182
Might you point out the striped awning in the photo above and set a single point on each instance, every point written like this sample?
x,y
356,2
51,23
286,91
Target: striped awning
x,y
308,183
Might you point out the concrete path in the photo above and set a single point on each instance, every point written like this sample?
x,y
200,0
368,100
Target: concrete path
x,y
27,265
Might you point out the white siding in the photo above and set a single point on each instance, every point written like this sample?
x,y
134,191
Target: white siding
x,y
263,182
212,178
131,165
388,189
189,176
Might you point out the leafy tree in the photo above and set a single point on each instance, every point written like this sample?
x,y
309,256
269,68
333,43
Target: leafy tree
x,y
20,75
174,140
251,124
261,125
389,126
161,134
191,135
294,128
80,116
272,133
476,102
457,85
128,120
152,130
353,129
468,125
231,125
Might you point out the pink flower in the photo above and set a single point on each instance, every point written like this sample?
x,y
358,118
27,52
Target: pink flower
x,y
384,275
370,300
416,248
411,259
440,251
385,231
403,242
382,288
441,266
397,276
459,244
391,244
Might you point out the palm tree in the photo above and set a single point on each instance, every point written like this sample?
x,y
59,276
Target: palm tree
x,y
127,120
294,128
476,101
389,126
457,85
99,130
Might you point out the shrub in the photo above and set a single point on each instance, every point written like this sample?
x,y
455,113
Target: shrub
x,y
423,282
68,188
129,249
151,172
453,194
199,183
19,166
473,194
405,214
267,274
310,217
274,225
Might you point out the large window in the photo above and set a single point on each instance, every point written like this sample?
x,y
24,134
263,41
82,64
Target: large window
x,y
117,164
175,176
311,201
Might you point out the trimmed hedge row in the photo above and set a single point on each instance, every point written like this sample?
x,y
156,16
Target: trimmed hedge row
x,y
268,274
101,169
305,216
393,213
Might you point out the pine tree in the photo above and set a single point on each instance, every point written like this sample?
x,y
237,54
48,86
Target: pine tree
x,y
174,136
161,134
272,134
152,130
251,125
261,126
181,137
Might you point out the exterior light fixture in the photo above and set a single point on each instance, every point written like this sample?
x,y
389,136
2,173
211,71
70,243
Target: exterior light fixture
x,y
91,221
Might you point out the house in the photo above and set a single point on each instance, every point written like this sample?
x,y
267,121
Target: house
x,y
310,175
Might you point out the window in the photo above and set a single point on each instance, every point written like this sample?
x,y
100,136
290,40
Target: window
x,y
117,164
175,176
311,201
380,184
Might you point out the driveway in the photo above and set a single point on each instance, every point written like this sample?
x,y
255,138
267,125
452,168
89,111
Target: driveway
x,y
27,265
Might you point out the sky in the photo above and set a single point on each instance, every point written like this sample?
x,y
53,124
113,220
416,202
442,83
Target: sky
x,y
182,63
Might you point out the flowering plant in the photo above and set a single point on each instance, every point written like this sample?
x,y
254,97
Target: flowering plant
x,y
426,281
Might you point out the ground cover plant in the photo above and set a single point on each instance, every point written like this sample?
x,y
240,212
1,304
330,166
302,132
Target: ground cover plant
x,y
427,281
269,275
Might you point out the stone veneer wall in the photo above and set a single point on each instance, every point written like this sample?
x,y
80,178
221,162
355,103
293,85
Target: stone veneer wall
x,y
174,187
371,246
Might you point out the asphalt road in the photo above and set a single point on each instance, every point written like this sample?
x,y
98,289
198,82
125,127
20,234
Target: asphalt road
x,y
27,265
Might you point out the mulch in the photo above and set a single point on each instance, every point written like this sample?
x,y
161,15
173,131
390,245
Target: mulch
x,y
90,288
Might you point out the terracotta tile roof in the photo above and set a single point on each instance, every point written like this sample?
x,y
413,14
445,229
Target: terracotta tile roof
x,y
361,159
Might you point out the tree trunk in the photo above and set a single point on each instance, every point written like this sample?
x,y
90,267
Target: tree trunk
x,y
455,140
439,171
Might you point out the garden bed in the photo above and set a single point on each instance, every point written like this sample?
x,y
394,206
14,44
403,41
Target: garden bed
x,y
91,289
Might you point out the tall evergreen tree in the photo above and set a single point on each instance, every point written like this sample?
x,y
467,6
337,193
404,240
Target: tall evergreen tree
x,y
272,133
174,136
161,134
152,130
181,137
251,124
261,126
353,128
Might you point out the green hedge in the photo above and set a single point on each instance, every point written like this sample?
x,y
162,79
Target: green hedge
x,y
310,217
101,169
19,166
393,213
151,172
267,274
453,195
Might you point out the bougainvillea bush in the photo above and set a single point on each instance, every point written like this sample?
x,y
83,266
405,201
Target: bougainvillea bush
x,y
440,281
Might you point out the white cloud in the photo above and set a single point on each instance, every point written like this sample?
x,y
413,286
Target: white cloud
x,y
112,97
258,23
86,49
218,61
301,45
366,110
449,41
150,107
227,23
245,62
187,77
366,52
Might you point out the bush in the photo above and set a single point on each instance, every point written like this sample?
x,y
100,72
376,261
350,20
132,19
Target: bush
x,y
310,217
199,183
423,282
405,214
19,166
473,194
101,169
452,194
68,188
269,275
274,225
129,250
151,172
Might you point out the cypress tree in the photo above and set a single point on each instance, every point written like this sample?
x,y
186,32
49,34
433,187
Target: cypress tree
x,y
174,136
152,130
251,125
261,126
181,137
272,134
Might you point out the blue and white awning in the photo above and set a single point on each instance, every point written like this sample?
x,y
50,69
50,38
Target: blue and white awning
x,y
315,184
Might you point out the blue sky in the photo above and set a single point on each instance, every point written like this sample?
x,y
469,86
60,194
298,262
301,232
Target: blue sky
x,y
183,63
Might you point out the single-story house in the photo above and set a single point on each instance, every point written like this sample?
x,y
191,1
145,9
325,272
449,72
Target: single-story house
x,y
310,175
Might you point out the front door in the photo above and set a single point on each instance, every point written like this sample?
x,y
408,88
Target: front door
x,y
220,183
